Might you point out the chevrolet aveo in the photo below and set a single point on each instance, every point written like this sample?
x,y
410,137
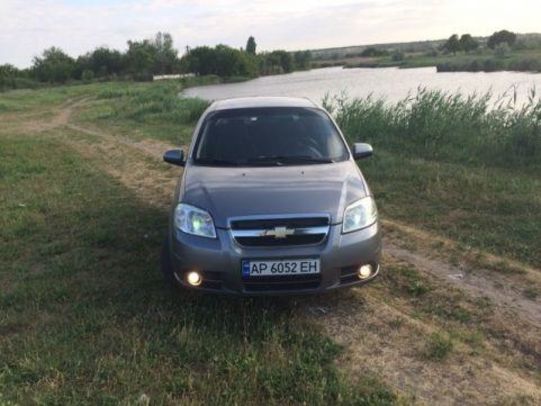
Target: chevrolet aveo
x,y
270,202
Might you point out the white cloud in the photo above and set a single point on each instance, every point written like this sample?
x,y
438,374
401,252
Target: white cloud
x,y
27,27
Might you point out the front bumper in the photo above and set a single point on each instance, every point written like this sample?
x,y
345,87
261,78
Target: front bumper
x,y
219,261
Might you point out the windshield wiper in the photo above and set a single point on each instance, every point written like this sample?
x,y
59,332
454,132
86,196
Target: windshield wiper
x,y
216,162
291,159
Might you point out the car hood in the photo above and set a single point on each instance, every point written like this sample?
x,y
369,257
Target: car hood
x,y
235,192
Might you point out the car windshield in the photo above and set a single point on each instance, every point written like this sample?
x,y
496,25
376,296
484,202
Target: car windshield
x,y
269,137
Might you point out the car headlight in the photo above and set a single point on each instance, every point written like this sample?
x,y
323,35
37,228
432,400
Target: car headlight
x,y
192,220
359,215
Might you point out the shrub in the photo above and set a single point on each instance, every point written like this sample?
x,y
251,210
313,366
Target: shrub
x,y
432,53
373,51
397,56
527,64
492,65
502,50
87,75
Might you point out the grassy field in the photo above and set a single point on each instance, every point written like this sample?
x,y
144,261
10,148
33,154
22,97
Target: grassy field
x,y
84,314
85,318
457,166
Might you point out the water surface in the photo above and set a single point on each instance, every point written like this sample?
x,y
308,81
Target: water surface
x,y
391,83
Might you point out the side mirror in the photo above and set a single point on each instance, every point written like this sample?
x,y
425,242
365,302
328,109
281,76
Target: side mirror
x,y
361,150
175,157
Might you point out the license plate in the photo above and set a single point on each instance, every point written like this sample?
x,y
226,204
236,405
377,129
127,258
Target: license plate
x,y
255,268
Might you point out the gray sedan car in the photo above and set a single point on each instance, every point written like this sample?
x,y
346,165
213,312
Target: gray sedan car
x,y
270,202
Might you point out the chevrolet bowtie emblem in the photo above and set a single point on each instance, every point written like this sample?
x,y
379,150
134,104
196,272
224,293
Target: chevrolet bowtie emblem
x,y
280,232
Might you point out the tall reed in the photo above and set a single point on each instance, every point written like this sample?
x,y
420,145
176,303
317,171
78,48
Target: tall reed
x,y
436,125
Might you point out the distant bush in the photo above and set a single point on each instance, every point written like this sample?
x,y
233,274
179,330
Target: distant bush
x,y
102,62
276,62
87,75
397,56
493,65
373,52
18,83
143,76
13,78
53,66
302,59
502,50
221,60
528,64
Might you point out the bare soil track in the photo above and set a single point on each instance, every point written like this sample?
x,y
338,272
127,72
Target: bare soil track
x,y
391,328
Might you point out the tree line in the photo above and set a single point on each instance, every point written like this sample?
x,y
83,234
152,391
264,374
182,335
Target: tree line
x,y
467,43
144,59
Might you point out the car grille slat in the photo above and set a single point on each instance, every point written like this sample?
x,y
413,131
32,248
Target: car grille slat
x,y
280,231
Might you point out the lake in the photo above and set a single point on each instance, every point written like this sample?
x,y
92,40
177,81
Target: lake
x,y
391,83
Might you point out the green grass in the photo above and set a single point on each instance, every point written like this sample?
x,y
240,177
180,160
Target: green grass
x,y
438,347
137,110
146,110
408,280
85,318
452,164
429,301
457,320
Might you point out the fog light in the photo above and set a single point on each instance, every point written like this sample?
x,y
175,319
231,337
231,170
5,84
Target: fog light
x,y
194,278
365,271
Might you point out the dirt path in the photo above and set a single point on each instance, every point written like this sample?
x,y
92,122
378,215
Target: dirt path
x,y
478,283
152,148
386,330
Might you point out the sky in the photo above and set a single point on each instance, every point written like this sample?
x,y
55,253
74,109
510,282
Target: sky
x,y
78,26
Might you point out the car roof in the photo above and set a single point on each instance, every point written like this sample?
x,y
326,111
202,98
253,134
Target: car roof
x,y
258,102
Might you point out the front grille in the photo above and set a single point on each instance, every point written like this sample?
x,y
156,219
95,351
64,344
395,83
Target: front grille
x,y
280,231
275,242
283,283
293,222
